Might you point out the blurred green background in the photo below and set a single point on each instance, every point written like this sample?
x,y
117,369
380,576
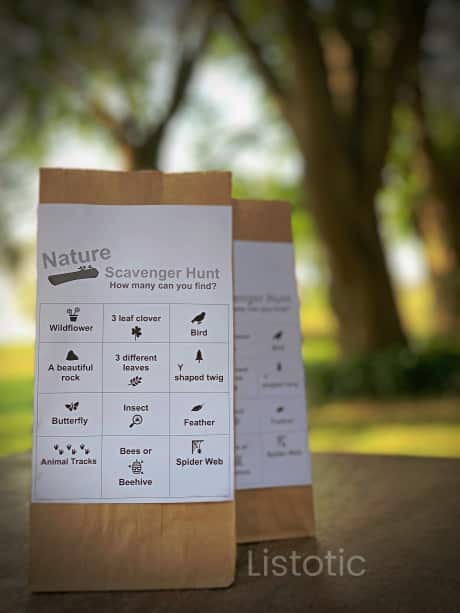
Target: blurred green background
x,y
348,109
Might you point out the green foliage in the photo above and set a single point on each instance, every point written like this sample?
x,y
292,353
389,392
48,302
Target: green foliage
x,y
399,373
53,58
104,66
100,67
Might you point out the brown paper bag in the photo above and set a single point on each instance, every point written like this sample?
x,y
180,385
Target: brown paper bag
x,y
132,546
272,512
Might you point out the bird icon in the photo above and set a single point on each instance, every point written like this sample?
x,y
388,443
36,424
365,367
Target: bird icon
x,y
198,319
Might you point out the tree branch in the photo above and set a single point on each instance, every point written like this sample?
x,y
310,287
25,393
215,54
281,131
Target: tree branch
x,y
115,126
317,121
442,181
186,67
380,91
359,50
255,52
94,107
149,149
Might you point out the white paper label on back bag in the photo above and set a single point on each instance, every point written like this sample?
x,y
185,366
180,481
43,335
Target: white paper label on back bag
x,y
270,402
134,354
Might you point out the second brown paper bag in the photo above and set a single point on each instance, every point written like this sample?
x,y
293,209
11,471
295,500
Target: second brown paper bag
x,y
271,436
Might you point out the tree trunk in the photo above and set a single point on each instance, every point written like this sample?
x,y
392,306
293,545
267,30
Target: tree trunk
x,y
438,222
144,156
439,226
343,168
361,293
147,154
343,190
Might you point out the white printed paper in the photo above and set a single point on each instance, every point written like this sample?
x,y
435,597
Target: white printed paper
x,y
270,403
134,354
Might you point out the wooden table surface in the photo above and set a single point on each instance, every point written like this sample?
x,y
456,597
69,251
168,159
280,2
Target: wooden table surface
x,y
401,514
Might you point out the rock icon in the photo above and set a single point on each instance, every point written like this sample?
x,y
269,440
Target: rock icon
x,y
71,355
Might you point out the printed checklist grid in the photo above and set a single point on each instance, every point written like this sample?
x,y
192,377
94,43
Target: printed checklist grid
x,y
131,399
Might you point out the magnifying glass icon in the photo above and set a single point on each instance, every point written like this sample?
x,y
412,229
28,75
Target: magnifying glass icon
x,y
137,420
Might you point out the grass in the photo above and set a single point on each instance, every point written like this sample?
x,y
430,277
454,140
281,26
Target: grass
x,y
16,362
16,401
424,427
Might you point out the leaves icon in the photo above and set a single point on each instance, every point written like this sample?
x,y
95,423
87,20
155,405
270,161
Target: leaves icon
x,y
135,381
